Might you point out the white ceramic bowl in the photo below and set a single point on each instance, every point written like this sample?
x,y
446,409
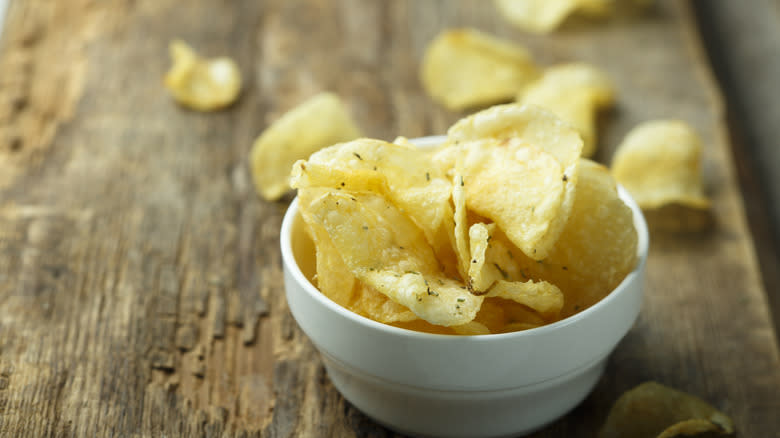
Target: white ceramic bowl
x,y
461,386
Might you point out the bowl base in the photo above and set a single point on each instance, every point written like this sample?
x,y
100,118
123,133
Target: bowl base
x,y
433,413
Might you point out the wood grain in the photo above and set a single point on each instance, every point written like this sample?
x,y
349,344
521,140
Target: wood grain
x,y
140,284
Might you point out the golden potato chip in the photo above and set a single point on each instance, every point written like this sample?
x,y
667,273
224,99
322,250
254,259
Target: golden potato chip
x,y
482,273
492,315
510,154
201,84
460,219
405,174
385,250
597,247
333,278
374,305
542,296
574,92
471,329
463,68
319,122
543,16
653,410
659,162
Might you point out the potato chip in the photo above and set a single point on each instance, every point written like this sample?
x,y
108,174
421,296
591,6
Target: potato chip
x,y
333,278
405,174
542,296
482,275
527,136
653,410
201,84
543,16
319,122
464,68
374,305
471,329
574,92
385,250
460,219
659,162
597,247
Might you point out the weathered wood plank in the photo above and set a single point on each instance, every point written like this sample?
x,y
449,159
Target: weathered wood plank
x,y
141,290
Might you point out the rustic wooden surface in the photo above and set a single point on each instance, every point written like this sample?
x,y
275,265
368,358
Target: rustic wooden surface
x,y
140,282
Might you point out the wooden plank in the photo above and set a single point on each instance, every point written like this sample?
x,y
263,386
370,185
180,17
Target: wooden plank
x,y
130,237
744,44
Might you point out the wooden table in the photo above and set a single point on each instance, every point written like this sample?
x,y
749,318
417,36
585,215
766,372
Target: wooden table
x,y
140,282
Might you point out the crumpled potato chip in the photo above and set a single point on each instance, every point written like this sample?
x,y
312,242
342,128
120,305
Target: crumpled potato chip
x,y
317,123
543,16
659,163
536,154
464,68
574,92
201,84
385,250
652,410
598,244
405,174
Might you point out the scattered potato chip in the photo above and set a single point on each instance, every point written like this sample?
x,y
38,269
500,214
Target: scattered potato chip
x,y
535,154
319,122
659,162
464,68
597,246
574,92
201,84
543,16
653,410
386,251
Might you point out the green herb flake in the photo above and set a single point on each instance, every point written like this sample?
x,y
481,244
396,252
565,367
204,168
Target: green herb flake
x,y
357,155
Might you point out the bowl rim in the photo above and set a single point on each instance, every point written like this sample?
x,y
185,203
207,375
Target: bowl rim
x,y
288,259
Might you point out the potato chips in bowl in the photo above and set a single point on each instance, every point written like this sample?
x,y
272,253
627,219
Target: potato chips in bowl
x,y
410,248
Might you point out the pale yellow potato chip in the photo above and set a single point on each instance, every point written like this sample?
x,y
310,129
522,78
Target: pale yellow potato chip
x,y
404,173
471,329
460,219
319,122
527,137
597,247
543,16
659,163
201,84
492,315
385,250
574,92
464,68
482,273
495,171
652,410
541,296
374,305
333,278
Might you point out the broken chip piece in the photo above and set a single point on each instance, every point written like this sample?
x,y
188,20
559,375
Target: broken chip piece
x,y
201,84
